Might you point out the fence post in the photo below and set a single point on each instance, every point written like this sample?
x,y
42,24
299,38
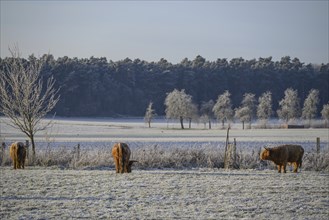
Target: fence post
x,y
78,151
317,145
234,154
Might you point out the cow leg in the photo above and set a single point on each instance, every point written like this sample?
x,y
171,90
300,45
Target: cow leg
x,y
279,168
116,161
299,164
123,163
120,167
125,168
284,166
295,167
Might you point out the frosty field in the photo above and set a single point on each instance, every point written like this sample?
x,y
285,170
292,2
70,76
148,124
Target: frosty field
x,y
89,187
37,193
89,130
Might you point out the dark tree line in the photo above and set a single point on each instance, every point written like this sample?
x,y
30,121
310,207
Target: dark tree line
x,y
98,87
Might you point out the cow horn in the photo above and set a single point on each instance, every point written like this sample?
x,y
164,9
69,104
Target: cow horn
x,y
266,148
133,161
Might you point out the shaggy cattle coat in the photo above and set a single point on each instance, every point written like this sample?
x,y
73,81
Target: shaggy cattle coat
x,y
283,154
17,153
121,154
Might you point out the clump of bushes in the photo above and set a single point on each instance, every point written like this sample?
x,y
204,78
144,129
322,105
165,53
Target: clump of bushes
x,y
161,157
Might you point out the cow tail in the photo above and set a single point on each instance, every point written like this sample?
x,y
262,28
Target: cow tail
x,y
16,156
301,158
121,159
19,153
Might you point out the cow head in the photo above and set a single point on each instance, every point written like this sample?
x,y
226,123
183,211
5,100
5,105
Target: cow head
x,y
130,164
266,154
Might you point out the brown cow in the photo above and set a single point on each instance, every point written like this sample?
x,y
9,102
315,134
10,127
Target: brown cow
x,y
283,154
121,154
17,153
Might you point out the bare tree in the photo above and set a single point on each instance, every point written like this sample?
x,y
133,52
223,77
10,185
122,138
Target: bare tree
x,y
25,98
179,106
310,105
192,112
206,111
149,114
247,110
223,107
325,114
289,105
264,108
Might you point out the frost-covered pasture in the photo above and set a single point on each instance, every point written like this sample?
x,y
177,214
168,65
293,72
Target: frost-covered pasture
x,y
44,193
179,174
164,145
105,130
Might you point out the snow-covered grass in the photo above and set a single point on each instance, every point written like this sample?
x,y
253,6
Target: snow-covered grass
x,y
178,175
135,130
38,193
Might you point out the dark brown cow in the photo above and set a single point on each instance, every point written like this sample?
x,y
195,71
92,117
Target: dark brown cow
x,y
121,154
17,153
283,154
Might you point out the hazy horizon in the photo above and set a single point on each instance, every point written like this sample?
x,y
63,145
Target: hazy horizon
x,y
173,30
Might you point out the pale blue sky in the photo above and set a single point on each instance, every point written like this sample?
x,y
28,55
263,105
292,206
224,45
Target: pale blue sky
x,y
151,30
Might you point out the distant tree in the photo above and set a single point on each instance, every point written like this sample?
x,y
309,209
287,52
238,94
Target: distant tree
x,y
325,114
310,105
243,114
206,111
247,110
204,119
149,114
264,108
178,105
25,98
192,112
198,62
289,106
223,108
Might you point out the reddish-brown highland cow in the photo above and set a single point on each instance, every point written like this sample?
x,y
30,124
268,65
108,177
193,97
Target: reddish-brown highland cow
x,y
283,154
17,153
121,154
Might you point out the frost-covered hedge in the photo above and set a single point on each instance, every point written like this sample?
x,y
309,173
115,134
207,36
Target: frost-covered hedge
x,y
157,156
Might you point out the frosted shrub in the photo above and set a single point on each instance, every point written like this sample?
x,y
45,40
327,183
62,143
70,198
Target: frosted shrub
x,y
249,160
61,156
166,156
162,157
317,162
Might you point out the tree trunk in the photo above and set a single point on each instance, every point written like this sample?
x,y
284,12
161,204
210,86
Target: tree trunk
x,y
223,123
189,123
149,122
243,125
209,124
181,122
33,147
